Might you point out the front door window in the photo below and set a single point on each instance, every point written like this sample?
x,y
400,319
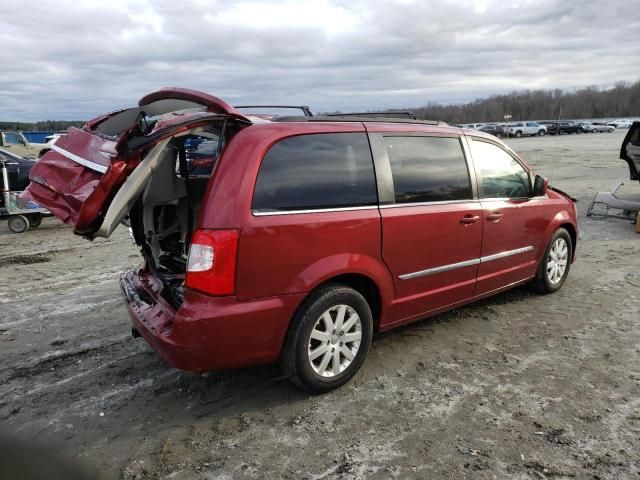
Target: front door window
x,y
501,176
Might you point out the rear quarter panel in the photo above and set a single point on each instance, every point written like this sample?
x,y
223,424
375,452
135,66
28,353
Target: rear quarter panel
x,y
285,254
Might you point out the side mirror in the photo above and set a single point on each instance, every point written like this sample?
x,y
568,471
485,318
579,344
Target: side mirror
x,y
540,186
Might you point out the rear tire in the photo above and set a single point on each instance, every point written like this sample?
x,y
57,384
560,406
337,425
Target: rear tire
x,y
35,219
18,223
328,339
554,267
518,134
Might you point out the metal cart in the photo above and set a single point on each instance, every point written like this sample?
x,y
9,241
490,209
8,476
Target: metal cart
x,y
21,214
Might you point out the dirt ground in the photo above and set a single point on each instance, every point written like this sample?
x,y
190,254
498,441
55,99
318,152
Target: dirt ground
x,y
518,386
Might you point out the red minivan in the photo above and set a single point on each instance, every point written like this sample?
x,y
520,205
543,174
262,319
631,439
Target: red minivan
x,y
307,234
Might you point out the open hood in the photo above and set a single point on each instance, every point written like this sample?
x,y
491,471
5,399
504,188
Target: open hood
x,y
92,176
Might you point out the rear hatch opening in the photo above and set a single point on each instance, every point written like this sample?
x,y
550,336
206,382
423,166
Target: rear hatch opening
x,y
151,164
163,216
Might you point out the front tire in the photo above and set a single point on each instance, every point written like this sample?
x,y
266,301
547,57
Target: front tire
x,y
518,134
554,267
541,133
328,339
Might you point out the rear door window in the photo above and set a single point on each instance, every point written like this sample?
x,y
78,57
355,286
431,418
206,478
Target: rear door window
x,y
428,169
317,171
501,176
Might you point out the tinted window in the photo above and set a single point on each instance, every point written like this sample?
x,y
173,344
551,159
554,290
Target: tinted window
x,y
428,169
501,176
316,171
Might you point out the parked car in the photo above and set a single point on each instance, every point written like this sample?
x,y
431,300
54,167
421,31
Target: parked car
x,y
310,234
620,123
495,130
473,126
560,128
17,144
600,127
520,129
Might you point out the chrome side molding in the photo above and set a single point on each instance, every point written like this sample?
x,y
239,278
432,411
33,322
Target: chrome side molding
x,y
466,263
443,268
508,253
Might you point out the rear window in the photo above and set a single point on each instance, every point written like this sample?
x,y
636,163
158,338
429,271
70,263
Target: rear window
x,y
307,172
428,169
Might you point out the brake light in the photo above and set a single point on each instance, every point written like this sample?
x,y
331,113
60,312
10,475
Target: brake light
x,y
211,268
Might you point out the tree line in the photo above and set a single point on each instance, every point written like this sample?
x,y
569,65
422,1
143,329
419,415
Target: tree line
x,y
623,100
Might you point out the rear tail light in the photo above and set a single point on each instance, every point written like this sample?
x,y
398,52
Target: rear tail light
x,y
212,261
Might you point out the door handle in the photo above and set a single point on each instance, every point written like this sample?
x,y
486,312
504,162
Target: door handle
x,y
469,219
495,216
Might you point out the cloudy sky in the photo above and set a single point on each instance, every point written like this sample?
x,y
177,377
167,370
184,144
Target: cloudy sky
x,y
75,59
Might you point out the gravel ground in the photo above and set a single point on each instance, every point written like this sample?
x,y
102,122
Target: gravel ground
x,y
517,386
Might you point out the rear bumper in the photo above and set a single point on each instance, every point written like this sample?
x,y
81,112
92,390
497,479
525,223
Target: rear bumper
x,y
207,333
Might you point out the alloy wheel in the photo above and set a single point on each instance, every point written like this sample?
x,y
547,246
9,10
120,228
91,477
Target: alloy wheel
x,y
557,261
335,340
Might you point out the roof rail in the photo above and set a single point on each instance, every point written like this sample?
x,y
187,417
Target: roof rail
x,y
306,111
347,118
389,114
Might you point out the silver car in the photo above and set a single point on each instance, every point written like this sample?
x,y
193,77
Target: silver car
x,y
600,127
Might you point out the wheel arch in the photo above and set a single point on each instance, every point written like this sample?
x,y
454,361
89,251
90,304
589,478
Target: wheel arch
x,y
365,286
364,283
561,220
569,227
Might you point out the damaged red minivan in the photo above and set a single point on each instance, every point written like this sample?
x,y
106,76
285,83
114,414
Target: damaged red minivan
x,y
307,234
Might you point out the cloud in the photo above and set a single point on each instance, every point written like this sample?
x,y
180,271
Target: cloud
x,y
74,60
